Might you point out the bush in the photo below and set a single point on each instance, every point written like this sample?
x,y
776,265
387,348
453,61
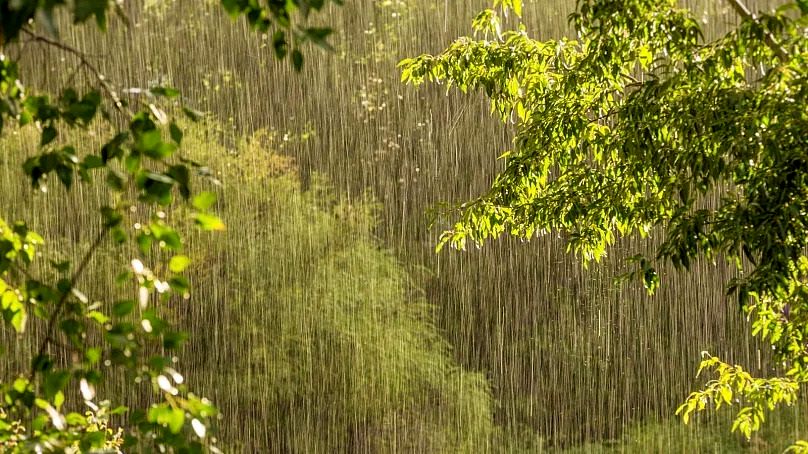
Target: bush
x,y
338,345
307,335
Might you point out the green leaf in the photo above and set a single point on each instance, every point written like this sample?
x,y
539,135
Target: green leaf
x,y
92,162
132,161
75,419
58,400
167,92
645,57
112,217
517,7
71,327
204,200
20,385
155,187
168,237
144,242
14,311
65,175
85,9
173,340
726,394
208,221
179,284
232,7
123,308
54,382
82,110
48,135
279,44
92,355
176,133
42,363
297,59
173,418
318,36
178,263
114,148
92,440
192,114
98,317
119,235
115,181
151,144
180,174
119,410
42,403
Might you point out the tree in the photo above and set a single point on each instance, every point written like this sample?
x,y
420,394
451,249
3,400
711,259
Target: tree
x,y
635,126
80,343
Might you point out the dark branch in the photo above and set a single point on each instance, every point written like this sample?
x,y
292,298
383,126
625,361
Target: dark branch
x,y
768,37
54,317
85,62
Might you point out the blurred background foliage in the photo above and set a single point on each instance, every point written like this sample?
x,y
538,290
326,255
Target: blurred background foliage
x,y
326,323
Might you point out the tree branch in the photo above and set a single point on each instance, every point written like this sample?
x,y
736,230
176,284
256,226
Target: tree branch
x,y
85,260
768,37
85,62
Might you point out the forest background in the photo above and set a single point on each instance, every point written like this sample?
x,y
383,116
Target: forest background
x,y
331,279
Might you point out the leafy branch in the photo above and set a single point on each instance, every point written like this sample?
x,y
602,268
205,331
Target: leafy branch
x,y
741,9
84,62
697,120
66,292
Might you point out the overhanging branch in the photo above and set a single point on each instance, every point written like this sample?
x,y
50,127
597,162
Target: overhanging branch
x,y
768,37
85,62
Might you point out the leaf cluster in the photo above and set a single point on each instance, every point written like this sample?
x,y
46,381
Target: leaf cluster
x,y
640,126
277,15
84,341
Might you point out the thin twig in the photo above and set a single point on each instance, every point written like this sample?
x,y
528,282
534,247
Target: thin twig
x,y
22,271
768,37
604,116
632,78
110,91
49,338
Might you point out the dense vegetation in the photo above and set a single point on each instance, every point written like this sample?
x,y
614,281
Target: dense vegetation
x,y
632,127
320,320
341,337
94,341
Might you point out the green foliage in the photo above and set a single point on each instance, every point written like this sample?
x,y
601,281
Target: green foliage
x,y
277,14
636,125
704,436
139,169
339,348
139,342
335,344
69,321
82,342
763,394
264,16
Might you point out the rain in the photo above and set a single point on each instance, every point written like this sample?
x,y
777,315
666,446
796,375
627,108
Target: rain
x,y
322,319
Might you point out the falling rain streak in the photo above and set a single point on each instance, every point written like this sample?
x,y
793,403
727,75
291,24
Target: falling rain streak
x,y
326,322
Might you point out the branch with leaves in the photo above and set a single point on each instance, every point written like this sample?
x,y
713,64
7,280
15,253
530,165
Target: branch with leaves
x,y
679,119
86,341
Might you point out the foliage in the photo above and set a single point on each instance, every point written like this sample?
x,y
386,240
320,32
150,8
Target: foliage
x,y
339,347
707,435
277,14
83,341
336,346
639,124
